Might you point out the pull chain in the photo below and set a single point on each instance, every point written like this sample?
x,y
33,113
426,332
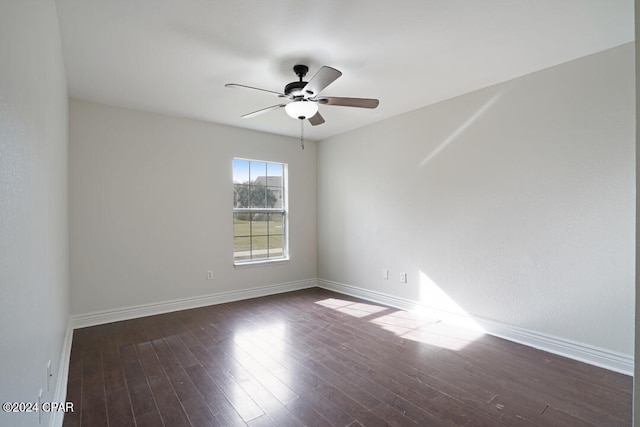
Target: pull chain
x,y
302,133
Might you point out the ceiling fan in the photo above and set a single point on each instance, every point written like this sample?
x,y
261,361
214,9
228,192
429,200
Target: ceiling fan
x,y
304,96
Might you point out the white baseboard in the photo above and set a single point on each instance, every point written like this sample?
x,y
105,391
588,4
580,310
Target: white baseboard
x,y
596,356
578,351
60,392
581,352
109,316
592,355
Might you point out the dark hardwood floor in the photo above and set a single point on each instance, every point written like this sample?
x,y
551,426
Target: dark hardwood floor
x,y
318,358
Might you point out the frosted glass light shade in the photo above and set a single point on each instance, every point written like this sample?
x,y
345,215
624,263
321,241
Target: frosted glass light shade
x,y
301,109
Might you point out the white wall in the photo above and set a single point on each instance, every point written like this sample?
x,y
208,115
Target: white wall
x,y
514,203
636,383
34,292
151,208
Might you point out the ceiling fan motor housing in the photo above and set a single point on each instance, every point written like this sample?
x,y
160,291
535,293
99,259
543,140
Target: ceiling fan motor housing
x,y
294,89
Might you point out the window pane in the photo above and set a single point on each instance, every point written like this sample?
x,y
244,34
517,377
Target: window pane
x,y
241,224
241,248
259,247
257,170
259,224
274,170
276,246
241,195
274,197
275,224
240,171
258,196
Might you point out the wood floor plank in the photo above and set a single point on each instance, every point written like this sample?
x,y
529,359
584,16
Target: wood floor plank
x,y
142,401
94,412
182,353
318,358
182,385
74,395
214,397
233,391
92,375
151,419
112,370
149,359
425,395
199,413
133,373
119,412
169,406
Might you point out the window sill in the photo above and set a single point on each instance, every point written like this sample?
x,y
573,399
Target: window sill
x,y
260,263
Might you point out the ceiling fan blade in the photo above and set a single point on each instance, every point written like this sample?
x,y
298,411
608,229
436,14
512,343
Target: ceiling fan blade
x,y
236,85
262,111
316,120
349,102
323,78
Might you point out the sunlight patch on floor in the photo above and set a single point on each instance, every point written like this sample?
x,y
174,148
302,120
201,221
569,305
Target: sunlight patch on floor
x,y
427,329
404,321
426,326
444,336
355,309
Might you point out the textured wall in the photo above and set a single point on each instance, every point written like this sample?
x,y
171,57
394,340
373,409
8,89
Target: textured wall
x,y
34,276
514,203
151,201
636,384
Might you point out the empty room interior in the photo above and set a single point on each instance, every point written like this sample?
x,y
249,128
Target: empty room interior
x,y
330,213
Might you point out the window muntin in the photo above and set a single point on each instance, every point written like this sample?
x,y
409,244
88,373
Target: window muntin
x,y
259,211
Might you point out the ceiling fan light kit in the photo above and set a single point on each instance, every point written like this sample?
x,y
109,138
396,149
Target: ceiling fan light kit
x,y
301,109
304,98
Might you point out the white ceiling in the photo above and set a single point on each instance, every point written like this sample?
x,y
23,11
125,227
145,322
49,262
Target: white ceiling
x,y
174,56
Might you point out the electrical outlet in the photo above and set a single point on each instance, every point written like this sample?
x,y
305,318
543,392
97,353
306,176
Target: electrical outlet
x,y
385,274
209,275
49,375
403,277
40,407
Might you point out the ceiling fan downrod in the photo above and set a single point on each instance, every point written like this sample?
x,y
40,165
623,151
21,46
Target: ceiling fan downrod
x,y
300,70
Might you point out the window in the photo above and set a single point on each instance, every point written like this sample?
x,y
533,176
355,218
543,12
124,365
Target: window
x,y
259,211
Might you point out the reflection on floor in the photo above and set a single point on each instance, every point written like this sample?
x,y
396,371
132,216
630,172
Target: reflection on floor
x,y
318,358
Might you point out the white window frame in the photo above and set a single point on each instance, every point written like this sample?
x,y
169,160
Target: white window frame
x,y
282,209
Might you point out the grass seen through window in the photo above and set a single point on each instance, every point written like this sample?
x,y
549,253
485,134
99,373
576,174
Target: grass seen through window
x,y
262,237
